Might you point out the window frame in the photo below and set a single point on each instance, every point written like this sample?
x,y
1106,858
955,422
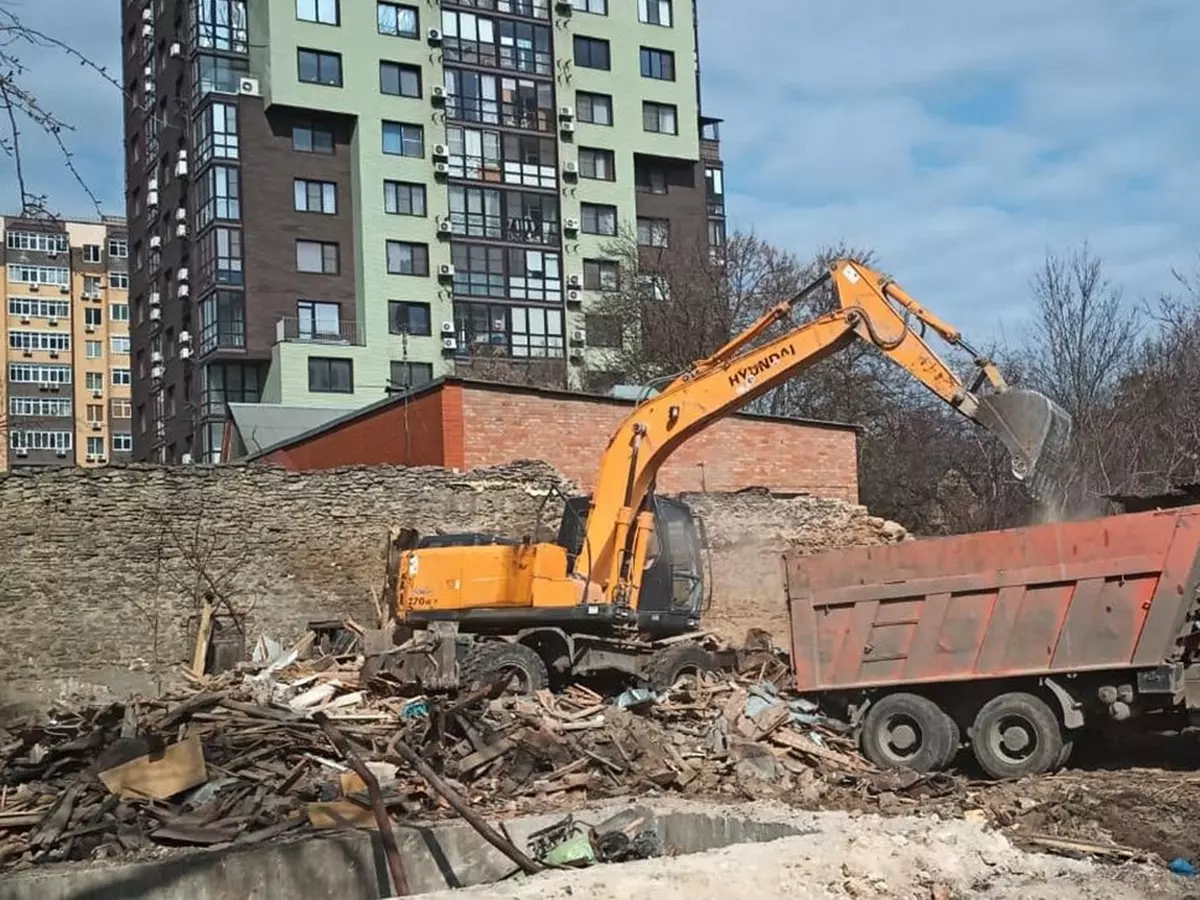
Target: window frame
x,y
382,5
401,70
584,46
327,196
313,129
598,210
589,157
646,18
393,190
413,383
418,257
328,363
408,307
591,97
316,17
321,58
325,247
656,227
658,109
405,138
599,267
584,6
656,63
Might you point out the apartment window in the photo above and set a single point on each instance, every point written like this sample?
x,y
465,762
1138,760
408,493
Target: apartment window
x,y
592,53
94,381
478,41
517,331
655,12
604,331
658,64
118,281
653,232
405,317
407,258
595,109
714,181
93,349
319,321
220,25
219,196
37,241
601,275
60,441
122,443
120,408
51,341
399,80
91,286
519,216
397,19
27,274
319,67
93,317
118,312
404,139
95,446
27,373
222,321
123,377
220,256
330,376
40,407
596,7
119,344
597,164
210,75
660,117
403,198
408,375
91,253
598,218
650,179
323,12
310,138
315,196
33,308
716,232
317,257
217,133
95,412
118,248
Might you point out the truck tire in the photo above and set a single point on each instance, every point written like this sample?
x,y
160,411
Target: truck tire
x,y
1016,735
522,663
667,666
953,745
908,731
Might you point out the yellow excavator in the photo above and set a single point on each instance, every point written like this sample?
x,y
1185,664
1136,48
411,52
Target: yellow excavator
x,y
623,587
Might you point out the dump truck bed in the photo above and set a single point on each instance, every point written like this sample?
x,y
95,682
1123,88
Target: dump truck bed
x,y
1107,593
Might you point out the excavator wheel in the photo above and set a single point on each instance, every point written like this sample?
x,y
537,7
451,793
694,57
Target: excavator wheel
x,y
667,666
526,670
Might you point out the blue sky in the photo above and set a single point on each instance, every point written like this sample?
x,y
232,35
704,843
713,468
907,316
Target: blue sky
x,y
958,140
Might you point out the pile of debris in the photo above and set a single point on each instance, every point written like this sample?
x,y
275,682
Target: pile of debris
x,y
300,739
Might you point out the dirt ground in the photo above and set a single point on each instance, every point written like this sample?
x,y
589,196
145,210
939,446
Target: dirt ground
x,y
841,855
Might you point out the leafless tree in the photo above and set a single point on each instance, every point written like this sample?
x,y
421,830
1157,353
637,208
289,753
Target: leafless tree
x,y
20,108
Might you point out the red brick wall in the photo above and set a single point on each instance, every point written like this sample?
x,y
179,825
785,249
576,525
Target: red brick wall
x,y
735,453
409,435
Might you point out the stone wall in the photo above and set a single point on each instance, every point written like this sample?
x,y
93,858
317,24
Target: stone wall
x,y
102,571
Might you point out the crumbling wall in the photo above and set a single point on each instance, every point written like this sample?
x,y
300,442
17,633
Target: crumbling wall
x,y
102,571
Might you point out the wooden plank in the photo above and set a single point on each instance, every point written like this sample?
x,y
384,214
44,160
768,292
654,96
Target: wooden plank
x,y
203,636
180,767
340,814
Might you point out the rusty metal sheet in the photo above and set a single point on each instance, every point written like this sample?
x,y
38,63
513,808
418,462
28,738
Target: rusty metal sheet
x,y
1105,593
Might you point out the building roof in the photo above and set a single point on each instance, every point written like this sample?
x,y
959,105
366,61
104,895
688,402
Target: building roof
x,y
261,426
341,417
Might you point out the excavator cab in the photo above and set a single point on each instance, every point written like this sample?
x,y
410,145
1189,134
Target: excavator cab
x,y
674,588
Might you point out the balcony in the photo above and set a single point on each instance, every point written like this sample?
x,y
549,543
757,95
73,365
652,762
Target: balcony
x,y
294,330
525,9
710,139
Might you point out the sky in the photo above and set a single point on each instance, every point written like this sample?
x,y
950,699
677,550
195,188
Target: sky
x,y
958,141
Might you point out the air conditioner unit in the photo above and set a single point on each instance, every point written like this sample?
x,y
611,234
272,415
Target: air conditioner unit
x,y
574,298
184,290
449,343
570,224
185,337
97,394
185,352
28,354
445,227
63,289
155,241
24,320
156,357
441,151
147,30
566,112
437,93
155,314
147,15
152,184
181,229
181,214
61,454
447,328
434,35
186,459
21,451
441,168
182,274
574,281
152,199
577,355
445,270
156,372
564,6
96,426
570,167
567,127
90,329
176,50
149,86
155,299
249,86
148,72
52,321
181,168
579,336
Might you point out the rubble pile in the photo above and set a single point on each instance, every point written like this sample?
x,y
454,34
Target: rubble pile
x,y
280,746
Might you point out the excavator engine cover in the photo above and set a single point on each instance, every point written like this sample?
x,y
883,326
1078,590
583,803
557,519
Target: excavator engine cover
x,y
1037,433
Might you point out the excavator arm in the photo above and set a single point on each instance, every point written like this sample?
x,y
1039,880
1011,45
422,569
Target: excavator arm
x,y
870,308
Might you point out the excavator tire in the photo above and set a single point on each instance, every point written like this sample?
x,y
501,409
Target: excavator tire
x,y
667,666
526,669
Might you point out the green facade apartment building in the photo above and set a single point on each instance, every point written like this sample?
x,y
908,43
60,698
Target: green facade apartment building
x,y
333,199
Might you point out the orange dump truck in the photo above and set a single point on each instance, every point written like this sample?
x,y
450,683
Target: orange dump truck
x,y
1014,642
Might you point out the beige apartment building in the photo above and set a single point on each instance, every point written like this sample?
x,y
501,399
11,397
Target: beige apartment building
x,y
64,357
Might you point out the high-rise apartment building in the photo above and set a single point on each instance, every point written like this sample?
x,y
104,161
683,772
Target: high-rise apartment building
x,y
64,357
329,199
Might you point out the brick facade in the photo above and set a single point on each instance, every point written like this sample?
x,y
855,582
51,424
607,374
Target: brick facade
x,y
463,424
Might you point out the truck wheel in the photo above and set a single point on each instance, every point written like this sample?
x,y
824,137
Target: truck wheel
x,y
526,670
1016,735
667,666
953,745
908,731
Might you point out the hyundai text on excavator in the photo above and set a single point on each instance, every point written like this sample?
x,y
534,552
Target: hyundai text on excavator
x,y
623,587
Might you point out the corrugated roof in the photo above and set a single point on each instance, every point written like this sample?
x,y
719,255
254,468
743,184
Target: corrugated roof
x,y
263,425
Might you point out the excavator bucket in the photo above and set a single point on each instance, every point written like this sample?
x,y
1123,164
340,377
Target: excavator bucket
x,y
1036,431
